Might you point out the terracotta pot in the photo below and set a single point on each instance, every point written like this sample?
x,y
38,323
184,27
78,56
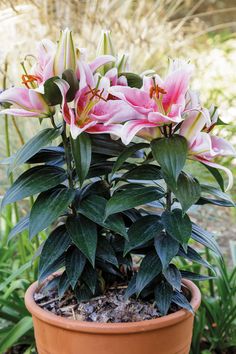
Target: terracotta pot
x,y
170,334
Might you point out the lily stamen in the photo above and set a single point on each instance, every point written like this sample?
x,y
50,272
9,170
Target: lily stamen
x,y
27,79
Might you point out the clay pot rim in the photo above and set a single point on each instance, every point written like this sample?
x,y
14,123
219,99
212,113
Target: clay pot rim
x,y
118,328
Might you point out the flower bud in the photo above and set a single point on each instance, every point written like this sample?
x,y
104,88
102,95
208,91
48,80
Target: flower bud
x,y
65,57
105,47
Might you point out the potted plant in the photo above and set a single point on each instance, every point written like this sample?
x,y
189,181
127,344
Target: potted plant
x,y
114,192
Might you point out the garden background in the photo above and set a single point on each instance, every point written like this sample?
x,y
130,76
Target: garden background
x,y
150,31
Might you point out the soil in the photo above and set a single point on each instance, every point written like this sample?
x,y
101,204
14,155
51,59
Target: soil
x,y
111,307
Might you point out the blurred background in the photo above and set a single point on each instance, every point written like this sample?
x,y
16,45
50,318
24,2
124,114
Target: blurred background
x,y
151,31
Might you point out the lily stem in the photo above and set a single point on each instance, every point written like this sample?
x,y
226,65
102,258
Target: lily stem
x,y
168,199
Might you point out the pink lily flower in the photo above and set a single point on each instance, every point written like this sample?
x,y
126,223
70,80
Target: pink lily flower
x,y
157,103
204,147
90,110
26,103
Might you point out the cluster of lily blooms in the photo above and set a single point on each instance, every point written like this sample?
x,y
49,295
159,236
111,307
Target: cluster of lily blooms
x,y
104,103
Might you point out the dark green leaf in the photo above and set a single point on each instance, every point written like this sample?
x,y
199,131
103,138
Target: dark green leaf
x,y
173,276
219,202
83,233
194,276
192,255
163,295
89,276
177,226
188,191
133,79
125,154
179,299
81,149
105,145
75,263
52,93
105,251
150,267
207,189
55,246
53,155
171,154
205,238
217,175
128,199
63,284
131,290
35,180
93,207
70,77
83,293
144,172
48,207
143,230
19,227
28,150
166,248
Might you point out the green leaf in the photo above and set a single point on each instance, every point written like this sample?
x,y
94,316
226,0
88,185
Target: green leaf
x,y
188,191
15,333
171,154
150,267
63,284
144,172
83,233
89,276
56,244
217,175
48,207
134,197
173,276
53,267
205,238
192,255
15,275
207,189
19,227
177,226
93,207
194,276
125,154
166,248
163,295
52,93
133,80
33,146
105,252
179,299
35,180
70,77
143,230
81,150
75,263
131,289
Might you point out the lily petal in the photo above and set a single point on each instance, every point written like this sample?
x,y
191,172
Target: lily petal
x,y
66,111
130,129
101,60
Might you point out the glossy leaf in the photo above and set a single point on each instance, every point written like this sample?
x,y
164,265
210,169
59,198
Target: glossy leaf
x,y
171,154
51,91
179,299
22,225
81,149
134,197
205,238
63,284
75,263
125,154
166,248
163,296
195,276
150,267
35,180
106,252
173,276
217,175
89,276
194,256
188,191
32,146
93,207
83,233
131,289
48,207
56,244
207,189
144,172
177,226
142,231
